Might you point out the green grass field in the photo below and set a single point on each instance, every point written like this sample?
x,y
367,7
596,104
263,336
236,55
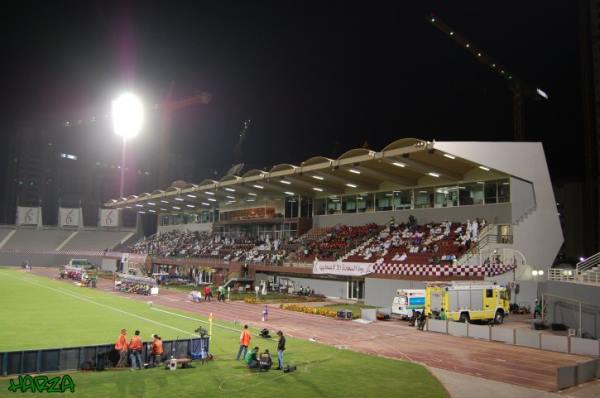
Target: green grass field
x,y
36,312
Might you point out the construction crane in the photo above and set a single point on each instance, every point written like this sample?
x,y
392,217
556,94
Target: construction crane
x,y
519,89
168,107
237,166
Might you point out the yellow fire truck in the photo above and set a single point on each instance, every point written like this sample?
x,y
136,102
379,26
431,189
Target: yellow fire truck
x,y
467,301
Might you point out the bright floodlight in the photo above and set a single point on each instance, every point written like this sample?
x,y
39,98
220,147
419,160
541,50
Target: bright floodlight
x,y
541,93
127,115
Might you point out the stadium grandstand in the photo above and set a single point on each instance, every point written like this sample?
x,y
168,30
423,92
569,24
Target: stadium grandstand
x,y
365,224
358,227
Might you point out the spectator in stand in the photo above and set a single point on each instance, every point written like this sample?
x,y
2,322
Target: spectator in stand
x,y
474,229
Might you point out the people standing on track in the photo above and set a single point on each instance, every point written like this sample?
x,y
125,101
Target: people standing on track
x,y
122,347
442,315
207,293
245,339
136,351
280,349
157,350
265,314
421,320
221,293
537,309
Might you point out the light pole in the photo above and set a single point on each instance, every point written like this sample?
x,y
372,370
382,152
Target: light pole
x,y
538,273
128,119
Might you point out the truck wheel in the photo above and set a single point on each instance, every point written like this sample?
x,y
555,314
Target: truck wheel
x,y
499,317
464,317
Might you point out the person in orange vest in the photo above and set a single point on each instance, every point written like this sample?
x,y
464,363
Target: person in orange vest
x,y
136,351
245,339
157,350
122,347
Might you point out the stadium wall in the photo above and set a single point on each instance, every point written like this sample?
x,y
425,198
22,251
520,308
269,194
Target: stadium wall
x,y
329,288
522,198
562,306
381,292
495,214
538,234
43,260
203,227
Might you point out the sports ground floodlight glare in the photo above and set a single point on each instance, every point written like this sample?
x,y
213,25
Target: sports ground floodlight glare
x,y
127,115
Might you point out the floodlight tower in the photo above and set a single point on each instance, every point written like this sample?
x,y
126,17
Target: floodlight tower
x,y
128,119
519,90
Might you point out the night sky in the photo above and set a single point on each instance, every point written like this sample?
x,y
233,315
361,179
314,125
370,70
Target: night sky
x,y
316,78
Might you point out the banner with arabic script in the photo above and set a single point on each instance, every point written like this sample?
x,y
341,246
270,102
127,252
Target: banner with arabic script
x,y
342,268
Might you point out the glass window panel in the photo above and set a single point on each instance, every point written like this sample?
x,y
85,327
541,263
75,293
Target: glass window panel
x,y
320,207
446,196
490,189
471,194
349,204
291,207
364,203
503,191
384,201
334,205
305,207
423,198
402,200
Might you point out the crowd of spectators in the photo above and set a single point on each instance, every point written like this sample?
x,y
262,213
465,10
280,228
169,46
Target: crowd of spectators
x,y
337,242
409,242
242,248
399,243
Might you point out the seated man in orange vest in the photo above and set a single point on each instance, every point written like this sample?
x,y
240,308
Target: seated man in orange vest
x,y
122,347
157,350
136,351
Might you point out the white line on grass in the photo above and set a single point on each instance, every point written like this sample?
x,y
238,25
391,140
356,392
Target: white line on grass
x,y
105,306
195,319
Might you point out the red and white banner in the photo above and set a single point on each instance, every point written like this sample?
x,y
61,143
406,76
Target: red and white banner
x,y
342,268
69,217
109,217
29,215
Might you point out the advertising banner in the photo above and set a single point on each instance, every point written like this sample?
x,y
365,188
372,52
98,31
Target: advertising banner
x,y
69,217
109,217
29,215
342,268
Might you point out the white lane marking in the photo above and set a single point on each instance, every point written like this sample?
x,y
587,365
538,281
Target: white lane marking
x,y
104,305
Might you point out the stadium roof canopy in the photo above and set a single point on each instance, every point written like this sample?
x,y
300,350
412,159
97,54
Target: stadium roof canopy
x,y
404,163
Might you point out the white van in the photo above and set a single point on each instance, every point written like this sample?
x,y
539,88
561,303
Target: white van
x,y
407,301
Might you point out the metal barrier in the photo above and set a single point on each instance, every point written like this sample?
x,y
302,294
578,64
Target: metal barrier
x,y
569,376
72,358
